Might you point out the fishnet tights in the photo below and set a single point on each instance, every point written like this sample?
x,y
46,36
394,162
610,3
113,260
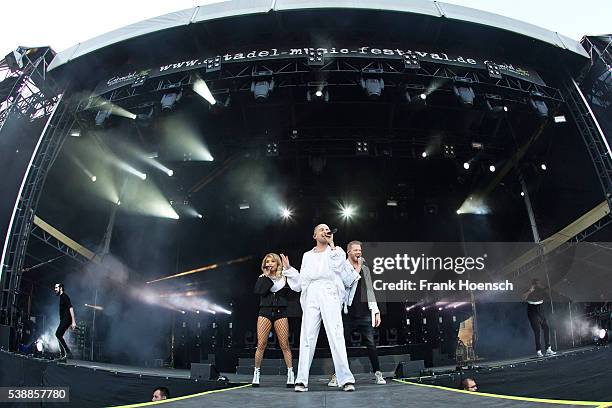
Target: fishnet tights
x,y
281,327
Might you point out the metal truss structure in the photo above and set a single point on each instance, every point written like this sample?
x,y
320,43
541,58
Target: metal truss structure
x,y
24,91
58,126
599,90
237,77
56,244
592,134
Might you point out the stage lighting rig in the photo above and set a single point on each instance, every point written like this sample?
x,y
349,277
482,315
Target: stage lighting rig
x,y
411,61
494,104
170,99
449,151
463,91
362,148
317,91
263,83
272,149
315,57
213,64
102,116
262,89
537,103
494,71
373,87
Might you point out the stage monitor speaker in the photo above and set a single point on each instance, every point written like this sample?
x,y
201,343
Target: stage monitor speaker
x,y
407,369
7,338
201,371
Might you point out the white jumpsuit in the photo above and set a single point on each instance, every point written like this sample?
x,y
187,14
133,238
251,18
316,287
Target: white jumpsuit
x,y
323,281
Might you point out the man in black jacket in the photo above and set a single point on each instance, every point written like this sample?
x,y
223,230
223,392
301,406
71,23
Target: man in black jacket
x,y
66,315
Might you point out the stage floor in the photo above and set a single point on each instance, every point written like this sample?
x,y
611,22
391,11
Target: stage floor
x,y
272,393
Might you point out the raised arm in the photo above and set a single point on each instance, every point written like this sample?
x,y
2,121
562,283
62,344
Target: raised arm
x,y
292,274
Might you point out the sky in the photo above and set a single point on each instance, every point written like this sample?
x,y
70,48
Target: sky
x,y
64,23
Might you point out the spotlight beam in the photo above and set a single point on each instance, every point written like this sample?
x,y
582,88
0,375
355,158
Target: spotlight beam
x,y
200,87
201,269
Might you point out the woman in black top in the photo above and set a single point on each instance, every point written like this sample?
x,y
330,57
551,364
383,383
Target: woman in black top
x,y
274,286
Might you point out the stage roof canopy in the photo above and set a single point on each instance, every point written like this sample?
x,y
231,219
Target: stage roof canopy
x,y
234,8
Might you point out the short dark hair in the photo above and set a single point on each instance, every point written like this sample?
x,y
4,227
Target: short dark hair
x,y
61,285
163,391
350,244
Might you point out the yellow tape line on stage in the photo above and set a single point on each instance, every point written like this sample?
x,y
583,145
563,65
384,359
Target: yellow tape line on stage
x,y
598,404
146,404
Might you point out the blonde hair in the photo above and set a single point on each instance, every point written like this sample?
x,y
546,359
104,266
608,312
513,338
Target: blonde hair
x,y
279,266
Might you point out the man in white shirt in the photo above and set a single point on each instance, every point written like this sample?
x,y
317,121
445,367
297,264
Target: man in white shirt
x,y
323,278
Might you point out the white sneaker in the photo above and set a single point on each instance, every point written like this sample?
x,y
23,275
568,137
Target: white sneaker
x,y
539,354
348,387
290,378
379,378
299,387
333,382
550,352
255,381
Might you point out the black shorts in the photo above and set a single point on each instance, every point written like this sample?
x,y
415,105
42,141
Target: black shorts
x,y
273,313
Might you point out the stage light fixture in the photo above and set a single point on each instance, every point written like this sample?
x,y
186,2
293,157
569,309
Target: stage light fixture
x,y
494,70
522,194
93,179
494,104
463,91
449,151
317,92
424,154
200,216
423,96
391,203
272,149
538,105
347,212
101,117
39,345
118,202
543,166
286,213
75,132
492,168
213,64
373,87
170,173
362,148
244,206
201,88
262,89
560,119
315,57
466,165
170,99
411,61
